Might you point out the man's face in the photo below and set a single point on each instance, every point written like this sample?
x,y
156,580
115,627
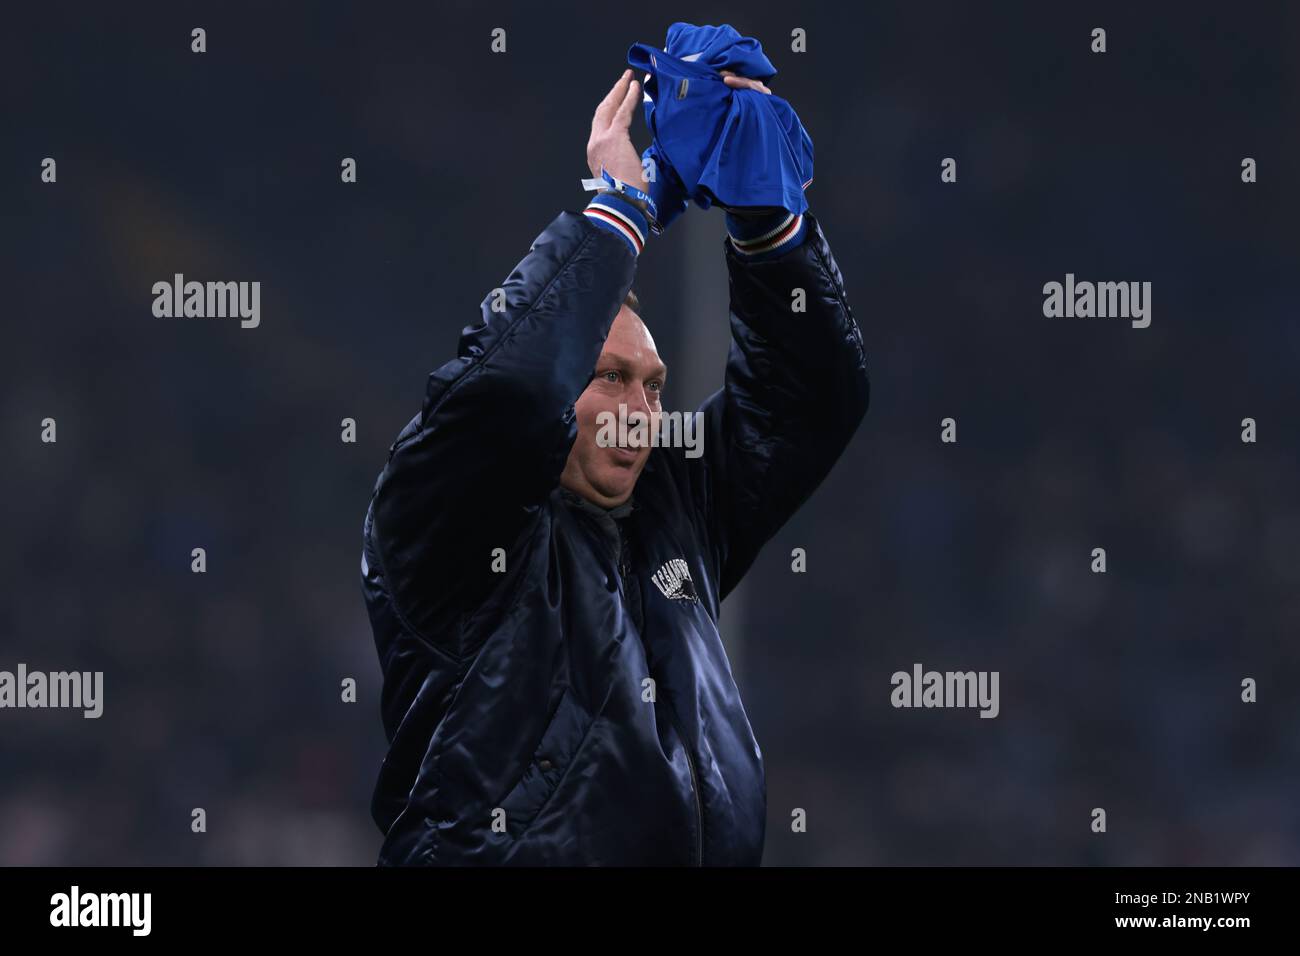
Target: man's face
x,y
628,372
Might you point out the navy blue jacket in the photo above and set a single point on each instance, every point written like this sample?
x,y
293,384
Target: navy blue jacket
x,y
578,708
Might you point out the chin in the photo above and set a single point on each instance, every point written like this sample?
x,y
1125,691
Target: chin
x,y
615,496
615,490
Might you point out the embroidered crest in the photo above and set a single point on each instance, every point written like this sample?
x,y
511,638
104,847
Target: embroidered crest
x,y
674,581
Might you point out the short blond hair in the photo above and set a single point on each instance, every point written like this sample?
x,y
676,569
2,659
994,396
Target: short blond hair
x,y
632,302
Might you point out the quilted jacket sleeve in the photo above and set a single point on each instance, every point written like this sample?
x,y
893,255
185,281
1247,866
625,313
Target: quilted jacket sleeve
x,y
497,423
795,391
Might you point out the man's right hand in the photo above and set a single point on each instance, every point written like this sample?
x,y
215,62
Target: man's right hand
x,y
610,145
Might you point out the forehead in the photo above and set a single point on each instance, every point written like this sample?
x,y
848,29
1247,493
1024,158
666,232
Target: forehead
x,y
630,341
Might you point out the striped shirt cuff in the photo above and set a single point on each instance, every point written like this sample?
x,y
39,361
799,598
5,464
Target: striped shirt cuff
x,y
619,217
766,237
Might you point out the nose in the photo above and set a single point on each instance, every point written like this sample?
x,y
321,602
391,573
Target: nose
x,y
638,412
637,401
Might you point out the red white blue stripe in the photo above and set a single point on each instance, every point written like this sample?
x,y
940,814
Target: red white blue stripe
x,y
785,233
620,217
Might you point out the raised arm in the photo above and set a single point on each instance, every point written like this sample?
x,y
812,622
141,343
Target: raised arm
x,y
796,386
469,472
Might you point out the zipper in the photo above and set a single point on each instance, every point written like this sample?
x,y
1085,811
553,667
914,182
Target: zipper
x,y
624,569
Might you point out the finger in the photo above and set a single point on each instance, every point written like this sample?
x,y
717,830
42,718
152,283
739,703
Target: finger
x,y
744,83
605,111
623,118
606,107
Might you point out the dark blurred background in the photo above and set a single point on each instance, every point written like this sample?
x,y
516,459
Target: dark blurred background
x,y
222,690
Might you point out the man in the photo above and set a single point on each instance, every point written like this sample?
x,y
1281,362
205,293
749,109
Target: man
x,y
545,608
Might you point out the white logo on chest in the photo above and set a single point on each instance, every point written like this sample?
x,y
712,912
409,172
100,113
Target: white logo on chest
x,y
674,581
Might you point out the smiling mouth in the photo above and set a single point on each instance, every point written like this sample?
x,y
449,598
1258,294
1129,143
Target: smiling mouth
x,y
625,454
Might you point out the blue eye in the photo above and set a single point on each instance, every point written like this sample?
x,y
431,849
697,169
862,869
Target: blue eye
x,y
611,376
